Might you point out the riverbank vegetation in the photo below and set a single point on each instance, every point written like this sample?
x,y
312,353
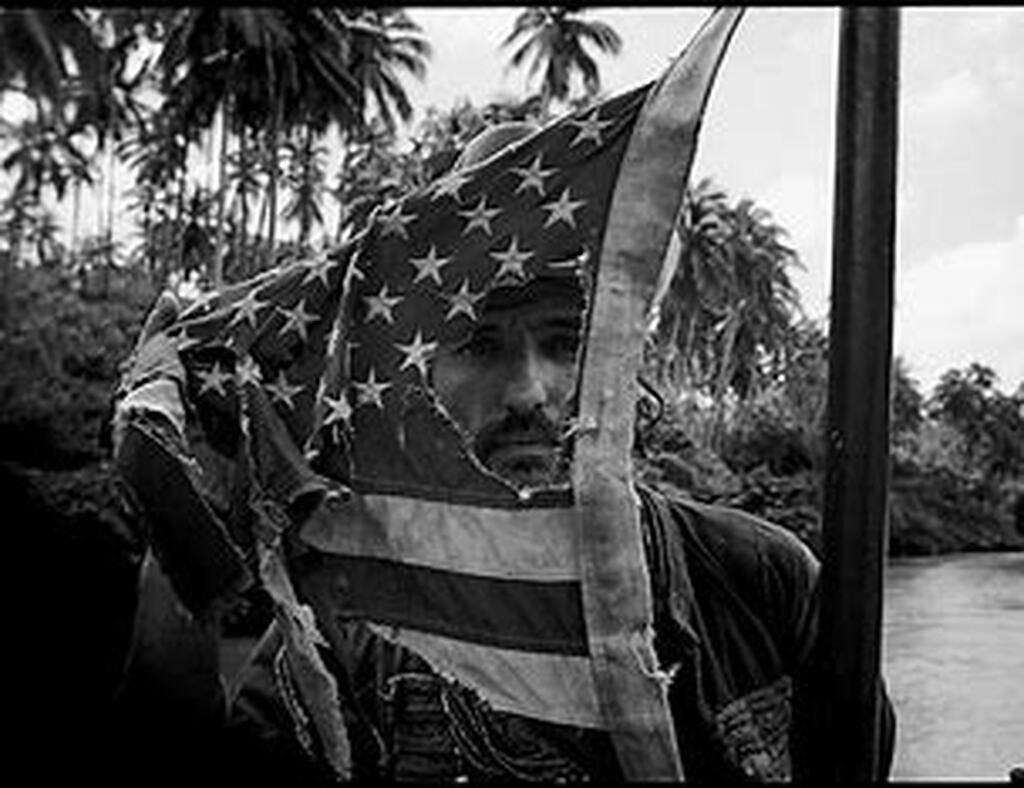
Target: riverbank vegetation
x,y
237,139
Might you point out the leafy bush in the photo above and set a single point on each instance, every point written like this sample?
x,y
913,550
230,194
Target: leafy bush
x,y
62,337
671,452
938,511
990,422
673,456
765,432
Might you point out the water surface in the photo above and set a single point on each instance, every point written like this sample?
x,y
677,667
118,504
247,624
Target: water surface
x,y
953,656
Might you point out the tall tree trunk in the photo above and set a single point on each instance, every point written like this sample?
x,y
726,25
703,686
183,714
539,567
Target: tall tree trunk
x,y
100,191
207,149
305,217
217,272
274,172
342,212
76,213
111,194
725,370
683,361
263,218
147,229
17,231
242,202
545,103
272,205
179,223
666,372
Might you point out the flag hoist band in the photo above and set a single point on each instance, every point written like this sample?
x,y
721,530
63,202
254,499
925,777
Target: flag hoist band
x,y
308,404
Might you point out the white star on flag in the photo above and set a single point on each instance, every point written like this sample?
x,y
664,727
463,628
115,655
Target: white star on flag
x,y
183,341
417,353
479,216
463,302
562,209
214,380
449,186
337,409
532,176
512,261
381,305
247,307
429,266
394,223
318,268
284,390
371,391
248,371
590,129
297,317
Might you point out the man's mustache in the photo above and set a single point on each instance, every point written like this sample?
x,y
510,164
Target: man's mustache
x,y
518,427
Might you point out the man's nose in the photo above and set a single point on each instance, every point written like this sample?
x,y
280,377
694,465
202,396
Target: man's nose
x,y
527,386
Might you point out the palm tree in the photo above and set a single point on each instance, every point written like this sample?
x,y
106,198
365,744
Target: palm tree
x,y
386,44
268,69
44,235
107,104
698,292
766,301
44,49
73,62
48,55
305,178
244,182
728,315
158,154
554,38
44,157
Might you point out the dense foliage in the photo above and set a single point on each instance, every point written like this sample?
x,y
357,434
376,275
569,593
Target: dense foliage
x,y
62,337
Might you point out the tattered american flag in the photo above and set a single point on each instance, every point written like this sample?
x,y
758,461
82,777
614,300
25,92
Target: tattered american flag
x,y
309,387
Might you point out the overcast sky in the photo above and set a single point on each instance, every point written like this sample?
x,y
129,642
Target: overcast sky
x,y
769,135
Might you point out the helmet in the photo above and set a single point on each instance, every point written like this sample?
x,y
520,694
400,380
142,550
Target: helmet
x,y
491,140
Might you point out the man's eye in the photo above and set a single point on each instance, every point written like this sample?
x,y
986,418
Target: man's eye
x,y
478,346
561,346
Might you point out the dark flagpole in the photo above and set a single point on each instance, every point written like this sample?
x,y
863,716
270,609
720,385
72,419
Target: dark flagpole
x,y
855,512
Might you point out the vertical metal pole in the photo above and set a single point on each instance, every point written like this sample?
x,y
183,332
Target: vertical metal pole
x,y
860,355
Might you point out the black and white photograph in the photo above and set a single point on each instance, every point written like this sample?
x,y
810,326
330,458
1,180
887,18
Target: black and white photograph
x,y
521,393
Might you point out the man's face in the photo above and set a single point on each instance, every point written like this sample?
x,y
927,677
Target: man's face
x,y
509,384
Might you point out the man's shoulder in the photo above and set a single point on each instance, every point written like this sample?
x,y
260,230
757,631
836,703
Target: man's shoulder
x,y
734,540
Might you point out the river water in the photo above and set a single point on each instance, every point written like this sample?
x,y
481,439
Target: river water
x,y
953,657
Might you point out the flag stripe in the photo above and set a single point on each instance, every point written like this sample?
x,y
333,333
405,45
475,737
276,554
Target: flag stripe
x,y
553,687
533,544
543,617
549,498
